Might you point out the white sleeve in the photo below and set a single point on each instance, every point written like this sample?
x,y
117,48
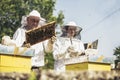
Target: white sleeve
x,y
19,37
82,46
56,49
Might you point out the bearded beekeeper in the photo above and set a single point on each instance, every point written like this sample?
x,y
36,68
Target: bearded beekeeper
x,y
67,46
29,22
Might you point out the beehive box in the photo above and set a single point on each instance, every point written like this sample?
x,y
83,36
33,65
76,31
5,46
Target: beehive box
x,y
94,66
16,50
15,63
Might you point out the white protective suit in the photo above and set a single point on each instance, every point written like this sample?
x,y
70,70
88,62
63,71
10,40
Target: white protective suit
x,y
60,48
19,38
38,58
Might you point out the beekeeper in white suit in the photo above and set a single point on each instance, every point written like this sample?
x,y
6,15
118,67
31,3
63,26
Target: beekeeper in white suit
x,y
29,22
67,47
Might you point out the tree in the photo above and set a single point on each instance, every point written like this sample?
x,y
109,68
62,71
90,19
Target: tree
x,y
11,12
117,54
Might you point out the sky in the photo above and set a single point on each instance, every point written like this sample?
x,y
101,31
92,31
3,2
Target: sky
x,y
99,19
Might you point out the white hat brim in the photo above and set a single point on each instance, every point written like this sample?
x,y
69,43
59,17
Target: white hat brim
x,y
78,29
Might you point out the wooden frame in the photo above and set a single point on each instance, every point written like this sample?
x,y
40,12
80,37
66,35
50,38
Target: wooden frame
x,y
39,34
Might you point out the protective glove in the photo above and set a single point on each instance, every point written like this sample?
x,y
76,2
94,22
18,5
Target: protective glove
x,y
6,40
53,39
70,49
27,45
60,56
73,53
49,47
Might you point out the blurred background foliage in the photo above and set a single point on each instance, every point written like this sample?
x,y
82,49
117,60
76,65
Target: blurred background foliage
x,y
11,12
117,55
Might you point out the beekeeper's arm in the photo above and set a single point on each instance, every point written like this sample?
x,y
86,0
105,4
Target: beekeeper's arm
x,y
48,44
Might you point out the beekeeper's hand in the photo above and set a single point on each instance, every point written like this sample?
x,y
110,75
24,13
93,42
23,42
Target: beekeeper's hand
x,y
49,47
70,49
7,41
27,45
53,39
60,56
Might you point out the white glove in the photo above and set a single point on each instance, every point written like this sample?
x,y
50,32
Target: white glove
x,y
73,53
60,56
53,39
49,47
7,41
